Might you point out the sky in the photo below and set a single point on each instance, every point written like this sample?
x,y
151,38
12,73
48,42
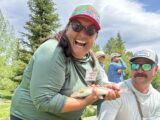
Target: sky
x,y
138,21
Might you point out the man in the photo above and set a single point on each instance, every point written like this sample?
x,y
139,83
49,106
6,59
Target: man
x,y
139,100
115,68
100,55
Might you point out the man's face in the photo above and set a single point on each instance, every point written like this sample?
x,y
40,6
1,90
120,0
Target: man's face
x,y
80,42
101,59
116,59
140,76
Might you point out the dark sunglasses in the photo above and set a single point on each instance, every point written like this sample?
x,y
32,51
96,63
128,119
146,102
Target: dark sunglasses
x,y
144,67
89,30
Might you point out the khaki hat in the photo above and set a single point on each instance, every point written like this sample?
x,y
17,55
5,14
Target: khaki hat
x,y
145,53
100,54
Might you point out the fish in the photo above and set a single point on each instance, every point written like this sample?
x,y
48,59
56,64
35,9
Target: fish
x,y
83,92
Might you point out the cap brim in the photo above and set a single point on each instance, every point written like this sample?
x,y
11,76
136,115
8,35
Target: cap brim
x,y
116,56
88,17
101,56
132,59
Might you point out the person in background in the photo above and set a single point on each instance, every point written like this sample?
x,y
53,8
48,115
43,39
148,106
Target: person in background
x,y
140,101
61,65
100,55
115,68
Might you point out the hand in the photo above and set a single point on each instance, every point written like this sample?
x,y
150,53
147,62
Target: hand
x,y
120,71
93,97
113,92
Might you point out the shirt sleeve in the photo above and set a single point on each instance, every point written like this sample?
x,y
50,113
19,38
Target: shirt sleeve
x,y
122,65
109,110
48,76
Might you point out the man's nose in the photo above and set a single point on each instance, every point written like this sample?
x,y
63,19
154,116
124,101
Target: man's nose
x,y
140,70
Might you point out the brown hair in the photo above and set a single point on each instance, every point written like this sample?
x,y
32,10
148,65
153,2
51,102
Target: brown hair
x,y
64,44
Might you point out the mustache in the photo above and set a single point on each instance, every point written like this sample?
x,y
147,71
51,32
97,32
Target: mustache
x,y
140,75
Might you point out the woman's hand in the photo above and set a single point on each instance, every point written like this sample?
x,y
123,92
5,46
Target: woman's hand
x,y
113,92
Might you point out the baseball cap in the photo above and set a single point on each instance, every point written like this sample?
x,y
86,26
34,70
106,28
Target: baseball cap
x,y
115,55
87,11
99,54
145,53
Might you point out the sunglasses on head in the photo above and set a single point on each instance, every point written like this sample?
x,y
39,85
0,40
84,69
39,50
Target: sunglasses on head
x,y
78,27
144,67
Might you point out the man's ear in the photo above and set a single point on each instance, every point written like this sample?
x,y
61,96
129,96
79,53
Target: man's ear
x,y
155,70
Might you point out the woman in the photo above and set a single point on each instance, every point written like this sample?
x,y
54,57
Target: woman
x,y
57,69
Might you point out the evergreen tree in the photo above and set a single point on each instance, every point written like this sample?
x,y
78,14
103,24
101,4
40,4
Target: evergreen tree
x,y
119,44
95,48
43,21
115,45
110,46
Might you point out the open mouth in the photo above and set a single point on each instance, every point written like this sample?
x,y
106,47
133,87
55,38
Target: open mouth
x,y
80,43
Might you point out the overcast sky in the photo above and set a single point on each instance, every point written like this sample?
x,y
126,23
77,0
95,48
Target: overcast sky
x,y
138,21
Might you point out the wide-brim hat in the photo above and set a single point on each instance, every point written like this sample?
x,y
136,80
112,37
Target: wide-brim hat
x,y
88,12
99,54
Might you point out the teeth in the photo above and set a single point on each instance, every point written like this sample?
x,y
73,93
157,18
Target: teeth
x,y
81,42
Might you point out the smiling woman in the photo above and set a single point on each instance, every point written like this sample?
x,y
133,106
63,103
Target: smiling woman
x,y
60,66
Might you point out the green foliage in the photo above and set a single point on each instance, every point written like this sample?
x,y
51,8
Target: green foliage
x,y
89,111
18,68
5,78
95,48
8,55
156,81
5,110
8,41
5,104
115,45
6,94
43,20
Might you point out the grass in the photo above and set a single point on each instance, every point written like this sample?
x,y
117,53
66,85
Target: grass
x,y
5,109
5,104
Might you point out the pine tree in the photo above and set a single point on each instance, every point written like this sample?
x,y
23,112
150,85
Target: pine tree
x,y
120,47
115,44
110,46
43,21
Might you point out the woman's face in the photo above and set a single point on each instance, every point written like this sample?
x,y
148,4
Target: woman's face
x,y
80,42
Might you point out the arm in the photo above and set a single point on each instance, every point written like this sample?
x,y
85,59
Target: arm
x,y
48,77
122,65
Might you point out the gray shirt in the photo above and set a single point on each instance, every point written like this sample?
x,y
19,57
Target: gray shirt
x,y
125,107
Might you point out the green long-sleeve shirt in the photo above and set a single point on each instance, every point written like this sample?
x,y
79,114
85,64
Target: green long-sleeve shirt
x,y
47,81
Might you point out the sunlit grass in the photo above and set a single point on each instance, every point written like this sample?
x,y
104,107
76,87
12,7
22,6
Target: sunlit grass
x,y
5,109
5,102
